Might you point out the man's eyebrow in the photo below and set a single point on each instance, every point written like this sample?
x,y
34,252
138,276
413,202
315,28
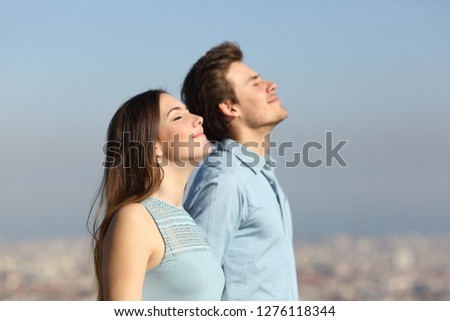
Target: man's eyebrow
x,y
254,77
172,109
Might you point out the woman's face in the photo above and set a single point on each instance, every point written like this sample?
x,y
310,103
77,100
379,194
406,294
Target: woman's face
x,y
180,137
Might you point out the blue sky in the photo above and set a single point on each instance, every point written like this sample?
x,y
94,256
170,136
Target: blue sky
x,y
375,73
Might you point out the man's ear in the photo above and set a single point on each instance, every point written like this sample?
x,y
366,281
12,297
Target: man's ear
x,y
229,109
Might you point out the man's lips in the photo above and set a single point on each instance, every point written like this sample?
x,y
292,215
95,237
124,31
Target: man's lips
x,y
273,99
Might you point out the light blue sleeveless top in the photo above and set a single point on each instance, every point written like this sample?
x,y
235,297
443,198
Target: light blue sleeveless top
x,y
188,271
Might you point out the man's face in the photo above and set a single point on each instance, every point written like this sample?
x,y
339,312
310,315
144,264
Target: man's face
x,y
258,104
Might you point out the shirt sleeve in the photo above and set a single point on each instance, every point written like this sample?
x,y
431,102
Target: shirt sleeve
x,y
216,205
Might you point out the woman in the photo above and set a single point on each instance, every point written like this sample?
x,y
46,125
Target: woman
x,y
145,245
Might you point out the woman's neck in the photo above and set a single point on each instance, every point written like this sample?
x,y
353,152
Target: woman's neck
x,y
173,184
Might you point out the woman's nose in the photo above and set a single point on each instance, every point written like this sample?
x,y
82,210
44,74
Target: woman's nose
x,y
198,120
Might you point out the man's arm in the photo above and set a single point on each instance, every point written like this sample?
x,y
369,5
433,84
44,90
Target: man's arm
x,y
217,206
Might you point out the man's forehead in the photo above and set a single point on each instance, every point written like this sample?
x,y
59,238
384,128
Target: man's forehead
x,y
240,73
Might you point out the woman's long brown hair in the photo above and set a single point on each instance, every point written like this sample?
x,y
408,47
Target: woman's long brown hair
x,y
131,173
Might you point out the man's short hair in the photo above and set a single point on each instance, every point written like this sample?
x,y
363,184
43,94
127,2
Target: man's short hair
x,y
206,86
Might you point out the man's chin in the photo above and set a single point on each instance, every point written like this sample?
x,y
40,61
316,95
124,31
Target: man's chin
x,y
283,116
283,112
278,121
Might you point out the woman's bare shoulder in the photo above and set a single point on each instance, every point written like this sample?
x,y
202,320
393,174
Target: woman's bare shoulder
x,y
132,223
133,216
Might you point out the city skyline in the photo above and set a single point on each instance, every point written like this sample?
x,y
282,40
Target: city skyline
x,y
339,268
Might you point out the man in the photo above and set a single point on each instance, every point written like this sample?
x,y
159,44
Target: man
x,y
235,197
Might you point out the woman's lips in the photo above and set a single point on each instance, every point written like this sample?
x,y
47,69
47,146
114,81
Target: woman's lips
x,y
199,134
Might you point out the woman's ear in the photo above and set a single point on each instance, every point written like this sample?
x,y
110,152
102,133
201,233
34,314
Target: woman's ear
x,y
158,151
229,109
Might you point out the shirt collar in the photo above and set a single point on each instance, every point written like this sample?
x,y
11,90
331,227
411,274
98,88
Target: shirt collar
x,y
251,159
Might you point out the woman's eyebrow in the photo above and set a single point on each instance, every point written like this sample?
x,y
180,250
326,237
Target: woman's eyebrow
x,y
172,109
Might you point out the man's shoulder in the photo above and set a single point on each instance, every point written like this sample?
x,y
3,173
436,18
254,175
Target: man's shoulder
x,y
211,177
220,162
215,168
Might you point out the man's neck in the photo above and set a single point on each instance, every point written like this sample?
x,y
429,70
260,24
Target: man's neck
x,y
257,141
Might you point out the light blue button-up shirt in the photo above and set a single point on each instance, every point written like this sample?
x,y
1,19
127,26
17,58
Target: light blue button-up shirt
x,y
240,207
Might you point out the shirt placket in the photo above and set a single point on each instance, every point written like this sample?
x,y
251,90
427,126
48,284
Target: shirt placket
x,y
270,176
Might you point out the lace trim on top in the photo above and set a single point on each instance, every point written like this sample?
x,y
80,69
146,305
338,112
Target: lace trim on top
x,y
178,229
